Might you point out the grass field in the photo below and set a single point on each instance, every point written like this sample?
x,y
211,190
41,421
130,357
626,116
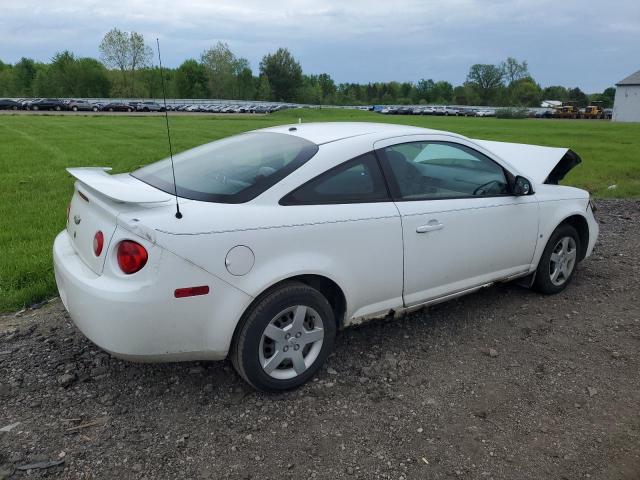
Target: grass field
x,y
35,150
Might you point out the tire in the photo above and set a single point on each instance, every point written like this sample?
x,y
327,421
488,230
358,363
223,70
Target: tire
x,y
294,312
129,110
57,108
563,247
74,108
34,108
111,109
95,109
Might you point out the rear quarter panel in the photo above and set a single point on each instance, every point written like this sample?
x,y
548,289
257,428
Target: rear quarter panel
x,y
359,247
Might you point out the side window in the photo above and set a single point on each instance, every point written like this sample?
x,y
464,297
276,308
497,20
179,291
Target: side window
x,y
435,170
356,181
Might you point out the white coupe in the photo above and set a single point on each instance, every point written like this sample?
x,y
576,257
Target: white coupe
x,y
290,233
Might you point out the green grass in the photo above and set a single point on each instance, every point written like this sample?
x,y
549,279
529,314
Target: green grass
x,y
35,150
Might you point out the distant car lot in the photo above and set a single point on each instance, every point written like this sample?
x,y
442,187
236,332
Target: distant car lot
x,y
130,106
251,107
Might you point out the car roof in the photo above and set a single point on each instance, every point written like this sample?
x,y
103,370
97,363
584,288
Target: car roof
x,y
325,132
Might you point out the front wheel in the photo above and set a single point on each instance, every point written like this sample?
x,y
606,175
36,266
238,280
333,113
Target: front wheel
x,y
558,262
285,338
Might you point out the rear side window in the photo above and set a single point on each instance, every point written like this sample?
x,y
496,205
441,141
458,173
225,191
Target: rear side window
x,y
232,170
356,181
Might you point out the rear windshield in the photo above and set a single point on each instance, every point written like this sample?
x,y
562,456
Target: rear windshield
x,y
232,170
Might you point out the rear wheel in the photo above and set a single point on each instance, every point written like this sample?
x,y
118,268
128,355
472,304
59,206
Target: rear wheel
x,y
74,108
558,262
284,339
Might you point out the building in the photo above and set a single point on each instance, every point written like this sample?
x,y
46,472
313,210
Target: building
x,y
551,104
626,107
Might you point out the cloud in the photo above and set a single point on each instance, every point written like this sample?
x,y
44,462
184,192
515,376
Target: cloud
x,y
353,40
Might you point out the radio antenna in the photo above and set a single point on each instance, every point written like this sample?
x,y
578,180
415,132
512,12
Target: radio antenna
x,y
166,117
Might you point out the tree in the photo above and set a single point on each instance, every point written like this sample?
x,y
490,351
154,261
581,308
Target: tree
x,y
578,96
525,92
264,89
127,52
555,92
246,84
486,80
24,73
425,89
284,74
514,71
328,87
223,69
442,92
608,96
191,80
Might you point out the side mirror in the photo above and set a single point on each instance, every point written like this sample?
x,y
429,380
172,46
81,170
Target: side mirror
x,y
522,186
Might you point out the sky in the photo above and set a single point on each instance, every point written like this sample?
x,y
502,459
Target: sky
x,y
587,43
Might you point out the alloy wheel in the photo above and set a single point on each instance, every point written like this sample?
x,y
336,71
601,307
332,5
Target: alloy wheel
x,y
563,260
291,342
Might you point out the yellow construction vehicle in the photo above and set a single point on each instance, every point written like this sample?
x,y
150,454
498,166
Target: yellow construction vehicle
x,y
594,110
568,110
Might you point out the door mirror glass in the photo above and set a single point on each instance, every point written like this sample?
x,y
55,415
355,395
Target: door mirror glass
x,y
522,186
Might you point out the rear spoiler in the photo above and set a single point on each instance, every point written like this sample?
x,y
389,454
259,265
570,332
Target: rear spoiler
x,y
121,188
539,164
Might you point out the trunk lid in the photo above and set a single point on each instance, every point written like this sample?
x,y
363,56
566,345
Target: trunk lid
x,y
88,214
97,201
539,164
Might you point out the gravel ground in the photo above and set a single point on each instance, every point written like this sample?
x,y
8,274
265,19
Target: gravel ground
x,y
502,384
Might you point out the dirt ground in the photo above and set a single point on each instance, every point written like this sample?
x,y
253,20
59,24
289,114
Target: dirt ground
x,y
502,384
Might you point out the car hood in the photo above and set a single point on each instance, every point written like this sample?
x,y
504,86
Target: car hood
x,y
539,164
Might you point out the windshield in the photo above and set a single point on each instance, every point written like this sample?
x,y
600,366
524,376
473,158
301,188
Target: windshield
x,y
232,170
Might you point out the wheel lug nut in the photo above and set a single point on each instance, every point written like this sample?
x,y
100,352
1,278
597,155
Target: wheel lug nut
x,y
284,349
298,335
296,347
287,336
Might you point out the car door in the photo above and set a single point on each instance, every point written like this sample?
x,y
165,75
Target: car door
x,y
461,225
354,224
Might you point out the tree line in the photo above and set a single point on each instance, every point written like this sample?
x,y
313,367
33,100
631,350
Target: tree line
x,y
126,69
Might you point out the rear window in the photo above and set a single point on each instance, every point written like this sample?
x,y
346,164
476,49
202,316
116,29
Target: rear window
x,y
233,170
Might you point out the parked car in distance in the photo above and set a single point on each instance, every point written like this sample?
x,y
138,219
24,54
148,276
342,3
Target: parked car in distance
x,y
46,104
467,112
485,112
446,111
149,107
117,107
81,105
290,233
8,104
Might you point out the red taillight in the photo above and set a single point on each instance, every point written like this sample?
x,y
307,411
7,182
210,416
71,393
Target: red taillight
x,y
191,291
131,256
98,243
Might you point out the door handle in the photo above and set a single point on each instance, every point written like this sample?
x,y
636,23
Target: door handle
x,y
430,227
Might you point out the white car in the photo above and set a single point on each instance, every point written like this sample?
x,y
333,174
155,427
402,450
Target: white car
x,y
485,112
290,233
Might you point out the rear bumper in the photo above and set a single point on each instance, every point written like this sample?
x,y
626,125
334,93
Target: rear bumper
x,y
137,317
